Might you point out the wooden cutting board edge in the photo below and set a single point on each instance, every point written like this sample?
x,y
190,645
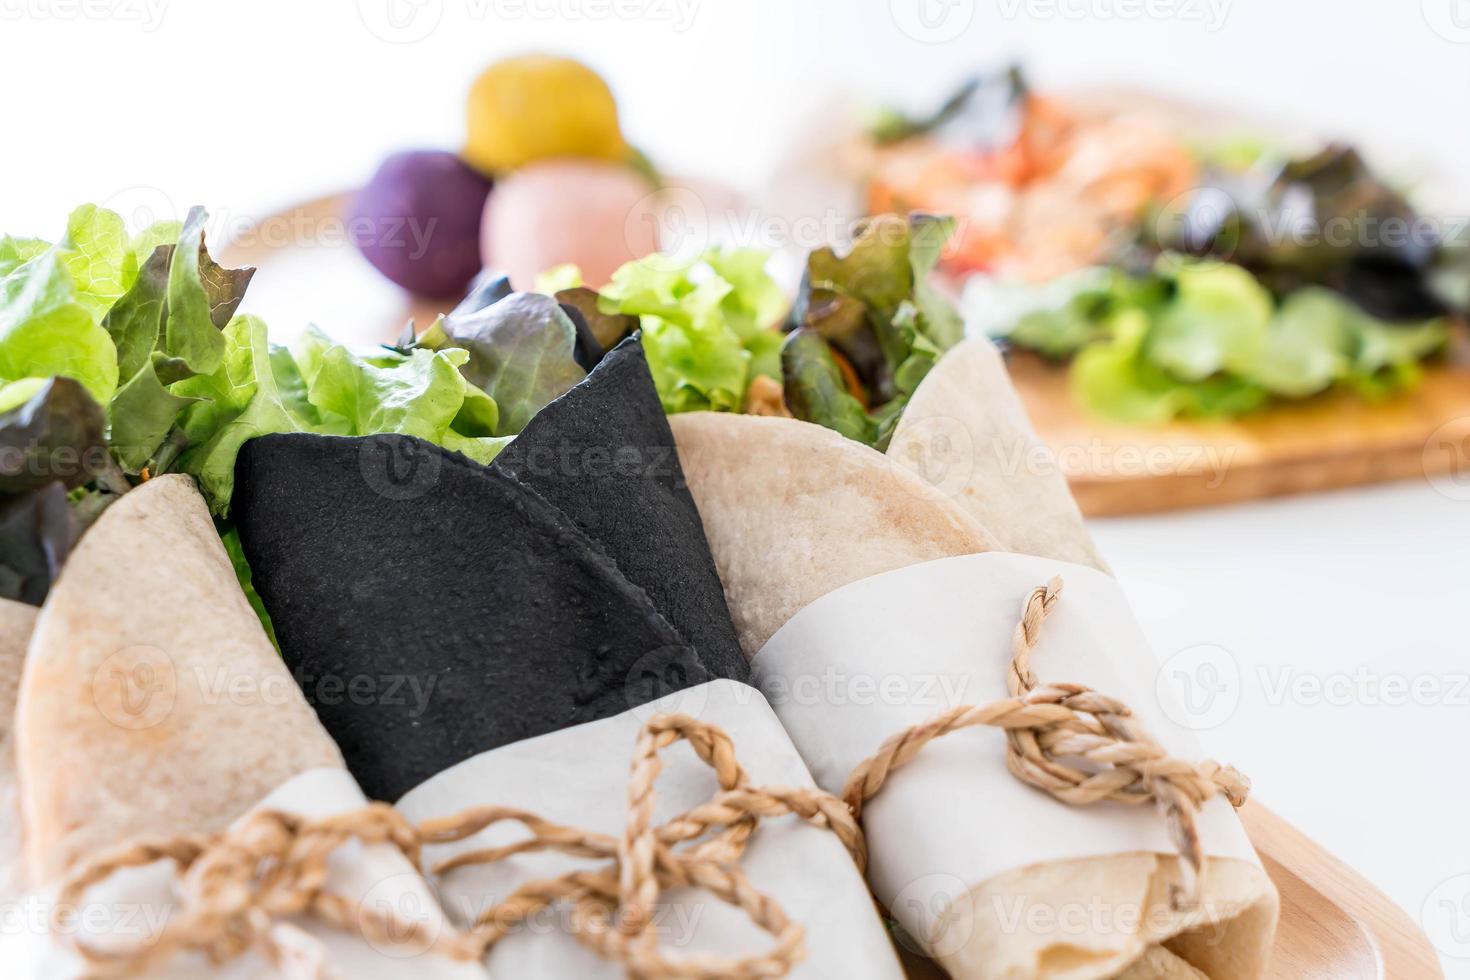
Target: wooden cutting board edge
x,y
1317,892
1329,442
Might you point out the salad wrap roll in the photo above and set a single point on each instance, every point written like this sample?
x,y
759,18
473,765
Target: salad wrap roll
x,y
153,706
966,432
793,510
992,877
527,657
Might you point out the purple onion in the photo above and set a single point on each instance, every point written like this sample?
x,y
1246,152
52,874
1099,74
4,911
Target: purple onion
x,y
418,221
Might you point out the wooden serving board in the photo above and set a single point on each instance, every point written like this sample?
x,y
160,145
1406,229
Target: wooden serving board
x,y
1334,440
1334,924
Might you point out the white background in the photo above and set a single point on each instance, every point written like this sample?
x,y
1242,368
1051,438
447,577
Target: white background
x,y
248,106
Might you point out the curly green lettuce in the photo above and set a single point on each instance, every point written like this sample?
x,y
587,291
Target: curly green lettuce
x,y
122,357
707,325
1204,338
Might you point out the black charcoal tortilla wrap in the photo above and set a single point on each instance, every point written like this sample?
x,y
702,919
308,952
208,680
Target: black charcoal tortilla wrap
x,y
604,456
528,613
434,609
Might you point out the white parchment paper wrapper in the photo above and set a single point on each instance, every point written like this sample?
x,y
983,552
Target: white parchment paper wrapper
x,y
134,904
579,776
884,653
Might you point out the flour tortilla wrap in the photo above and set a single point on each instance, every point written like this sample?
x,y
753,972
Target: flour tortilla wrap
x,y
966,432
152,704
16,621
152,701
1160,964
793,510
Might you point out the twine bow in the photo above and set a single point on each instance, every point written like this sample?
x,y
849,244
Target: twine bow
x,y
1074,743
236,885
613,907
1065,739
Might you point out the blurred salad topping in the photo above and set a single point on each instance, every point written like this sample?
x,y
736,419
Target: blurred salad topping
x,y
1180,279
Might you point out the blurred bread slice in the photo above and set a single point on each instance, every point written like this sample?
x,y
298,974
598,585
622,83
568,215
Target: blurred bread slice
x,y
152,702
793,511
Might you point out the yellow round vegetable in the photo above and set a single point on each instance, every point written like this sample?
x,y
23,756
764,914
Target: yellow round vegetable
x,y
536,107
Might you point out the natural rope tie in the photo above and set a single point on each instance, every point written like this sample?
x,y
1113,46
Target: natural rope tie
x,y
1076,744
1065,739
236,885
613,908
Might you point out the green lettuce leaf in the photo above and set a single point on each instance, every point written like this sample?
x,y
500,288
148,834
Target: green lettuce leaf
x,y
520,352
697,359
47,328
54,434
1204,338
816,391
878,309
1217,321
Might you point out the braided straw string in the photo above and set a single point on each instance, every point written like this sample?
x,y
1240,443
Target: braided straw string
x,y
1065,739
237,883
1074,743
